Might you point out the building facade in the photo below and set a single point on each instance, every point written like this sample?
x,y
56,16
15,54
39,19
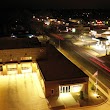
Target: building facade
x,y
17,60
59,75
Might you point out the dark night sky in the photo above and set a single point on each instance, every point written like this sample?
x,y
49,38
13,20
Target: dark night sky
x,y
10,8
74,4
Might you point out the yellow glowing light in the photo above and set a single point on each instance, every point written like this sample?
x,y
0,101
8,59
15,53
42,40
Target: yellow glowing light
x,y
64,95
59,22
95,94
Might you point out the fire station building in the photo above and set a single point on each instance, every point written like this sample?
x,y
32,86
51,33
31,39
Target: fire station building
x,y
60,75
56,73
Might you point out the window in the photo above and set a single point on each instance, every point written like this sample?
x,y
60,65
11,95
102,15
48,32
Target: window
x,y
64,89
52,91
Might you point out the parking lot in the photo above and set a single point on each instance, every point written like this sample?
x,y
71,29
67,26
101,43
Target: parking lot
x,y
21,92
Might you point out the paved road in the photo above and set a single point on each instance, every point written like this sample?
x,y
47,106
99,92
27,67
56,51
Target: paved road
x,y
102,106
84,58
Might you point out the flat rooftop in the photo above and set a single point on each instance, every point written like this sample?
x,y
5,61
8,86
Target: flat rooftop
x,y
17,43
58,67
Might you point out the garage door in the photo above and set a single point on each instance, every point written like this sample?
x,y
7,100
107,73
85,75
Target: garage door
x,y
26,68
12,69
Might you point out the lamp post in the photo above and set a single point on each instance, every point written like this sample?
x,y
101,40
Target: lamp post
x,y
106,51
106,45
96,83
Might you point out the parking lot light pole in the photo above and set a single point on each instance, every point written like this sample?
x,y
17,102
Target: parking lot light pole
x,y
106,47
106,51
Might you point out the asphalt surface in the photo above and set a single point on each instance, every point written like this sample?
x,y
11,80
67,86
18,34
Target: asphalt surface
x,y
104,105
21,92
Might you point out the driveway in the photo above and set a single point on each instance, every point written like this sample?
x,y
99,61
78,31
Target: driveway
x,y
21,92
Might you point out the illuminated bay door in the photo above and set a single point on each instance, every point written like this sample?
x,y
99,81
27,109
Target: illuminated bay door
x,y
12,69
26,68
64,89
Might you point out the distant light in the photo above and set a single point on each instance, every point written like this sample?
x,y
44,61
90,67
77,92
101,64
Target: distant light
x,y
73,30
13,36
69,18
59,22
67,29
47,22
33,16
47,17
95,94
30,36
88,22
106,22
63,22
78,22
67,24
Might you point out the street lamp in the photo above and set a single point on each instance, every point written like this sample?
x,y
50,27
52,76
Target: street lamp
x,y
106,50
106,45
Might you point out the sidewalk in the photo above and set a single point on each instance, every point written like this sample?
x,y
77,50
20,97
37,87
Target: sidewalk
x,y
73,100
